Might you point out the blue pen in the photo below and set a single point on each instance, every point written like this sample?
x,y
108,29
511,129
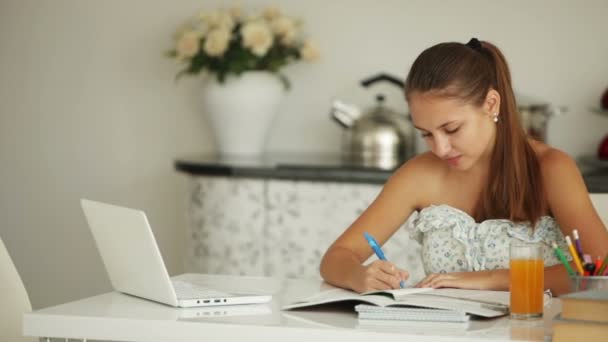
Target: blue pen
x,y
374,245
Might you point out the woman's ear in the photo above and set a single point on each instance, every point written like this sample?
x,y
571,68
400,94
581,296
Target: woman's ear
x,y
492,103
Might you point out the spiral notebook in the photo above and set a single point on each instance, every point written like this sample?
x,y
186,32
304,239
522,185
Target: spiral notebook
x,y
372,312
415,327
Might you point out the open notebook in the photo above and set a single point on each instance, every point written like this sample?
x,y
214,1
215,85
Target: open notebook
x,y
474,302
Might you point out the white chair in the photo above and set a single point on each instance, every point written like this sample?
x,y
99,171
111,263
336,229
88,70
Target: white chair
x,y
14,299
600,202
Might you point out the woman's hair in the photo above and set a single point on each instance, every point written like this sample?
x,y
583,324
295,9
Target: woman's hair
x,y
467,72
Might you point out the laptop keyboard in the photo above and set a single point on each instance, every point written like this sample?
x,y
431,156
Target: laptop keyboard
x,y
186,290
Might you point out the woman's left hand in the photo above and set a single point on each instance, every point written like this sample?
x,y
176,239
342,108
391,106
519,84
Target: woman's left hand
x,y
481,280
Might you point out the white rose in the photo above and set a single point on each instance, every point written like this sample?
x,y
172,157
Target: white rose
x,y
282,25
257,36
188,44
210,17
218,19
226,21
285,30
289,38
309,51
254,17
200,25
271,12
217,42
236,12
184,28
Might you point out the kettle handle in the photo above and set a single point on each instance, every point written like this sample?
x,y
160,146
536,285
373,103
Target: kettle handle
x,y
382,77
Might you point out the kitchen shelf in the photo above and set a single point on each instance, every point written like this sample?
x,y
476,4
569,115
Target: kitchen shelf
x,y
600,111
593,161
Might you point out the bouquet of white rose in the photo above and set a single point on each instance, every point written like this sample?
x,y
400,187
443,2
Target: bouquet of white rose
x,y
227,42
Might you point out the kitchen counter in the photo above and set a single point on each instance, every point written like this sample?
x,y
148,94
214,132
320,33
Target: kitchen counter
x,y
293,166
276,215
324,168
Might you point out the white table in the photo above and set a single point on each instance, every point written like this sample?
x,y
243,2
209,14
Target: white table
x,y
118,317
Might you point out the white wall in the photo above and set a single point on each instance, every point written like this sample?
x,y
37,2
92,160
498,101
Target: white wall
x,y
88,107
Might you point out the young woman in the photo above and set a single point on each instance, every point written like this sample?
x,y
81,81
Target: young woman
x,y
483,184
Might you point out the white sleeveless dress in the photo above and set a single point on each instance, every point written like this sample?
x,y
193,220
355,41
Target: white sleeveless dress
x,y
451,240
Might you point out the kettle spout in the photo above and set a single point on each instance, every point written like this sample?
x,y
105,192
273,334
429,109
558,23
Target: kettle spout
x,y
344,114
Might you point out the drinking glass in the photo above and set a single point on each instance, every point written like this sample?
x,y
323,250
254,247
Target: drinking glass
x,y
526,271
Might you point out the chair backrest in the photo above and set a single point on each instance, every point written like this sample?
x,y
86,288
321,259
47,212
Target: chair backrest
x,y
600,202
14,299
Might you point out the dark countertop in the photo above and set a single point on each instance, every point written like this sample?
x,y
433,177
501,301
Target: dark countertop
x,y
300,166
321,167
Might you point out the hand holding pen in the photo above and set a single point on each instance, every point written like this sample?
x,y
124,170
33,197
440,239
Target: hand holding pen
x,y
381,274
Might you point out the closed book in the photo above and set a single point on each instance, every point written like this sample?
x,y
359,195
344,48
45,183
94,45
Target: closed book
x,y
569,330
591,305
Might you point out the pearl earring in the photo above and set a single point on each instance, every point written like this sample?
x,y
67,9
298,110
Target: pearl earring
x,y
495,117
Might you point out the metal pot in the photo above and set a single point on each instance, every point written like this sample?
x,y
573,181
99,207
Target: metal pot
x,y
535,118
379,137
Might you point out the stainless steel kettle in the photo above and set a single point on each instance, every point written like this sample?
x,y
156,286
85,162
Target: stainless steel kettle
x,y
379,137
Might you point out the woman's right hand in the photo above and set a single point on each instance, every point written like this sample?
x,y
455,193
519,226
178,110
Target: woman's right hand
x,y
379,275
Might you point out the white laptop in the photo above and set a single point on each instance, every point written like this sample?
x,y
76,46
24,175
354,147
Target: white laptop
x,y
134,264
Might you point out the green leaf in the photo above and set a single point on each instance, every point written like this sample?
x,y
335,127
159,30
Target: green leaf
x,y
285,81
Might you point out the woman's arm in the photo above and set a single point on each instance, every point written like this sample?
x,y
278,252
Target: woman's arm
x,y
342,263
571,206
556,279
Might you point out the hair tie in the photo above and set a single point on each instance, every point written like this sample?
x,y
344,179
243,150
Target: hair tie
x,y
474,44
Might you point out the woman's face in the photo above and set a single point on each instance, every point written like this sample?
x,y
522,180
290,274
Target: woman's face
x,y
461,134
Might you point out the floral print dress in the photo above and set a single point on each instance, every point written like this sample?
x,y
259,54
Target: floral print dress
x,y
451,240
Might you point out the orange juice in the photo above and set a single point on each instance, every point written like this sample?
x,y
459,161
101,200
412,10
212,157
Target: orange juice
x,y
527,286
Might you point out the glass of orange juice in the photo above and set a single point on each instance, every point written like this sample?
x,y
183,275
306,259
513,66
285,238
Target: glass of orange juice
x,y
526,271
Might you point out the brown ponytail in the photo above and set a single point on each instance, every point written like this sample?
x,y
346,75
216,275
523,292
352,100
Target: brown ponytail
x,y
514,189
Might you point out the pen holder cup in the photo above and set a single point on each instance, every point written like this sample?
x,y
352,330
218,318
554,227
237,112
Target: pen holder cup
x,y
578,283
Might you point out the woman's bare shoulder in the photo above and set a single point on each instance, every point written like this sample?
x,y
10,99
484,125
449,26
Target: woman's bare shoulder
x,y
423,165
550,158
556,166
424,171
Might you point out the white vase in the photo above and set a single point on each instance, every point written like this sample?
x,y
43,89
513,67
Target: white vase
x,y
241,111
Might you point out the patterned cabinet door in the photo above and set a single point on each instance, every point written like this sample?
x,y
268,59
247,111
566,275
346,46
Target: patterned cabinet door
x,y
304,218
226,226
